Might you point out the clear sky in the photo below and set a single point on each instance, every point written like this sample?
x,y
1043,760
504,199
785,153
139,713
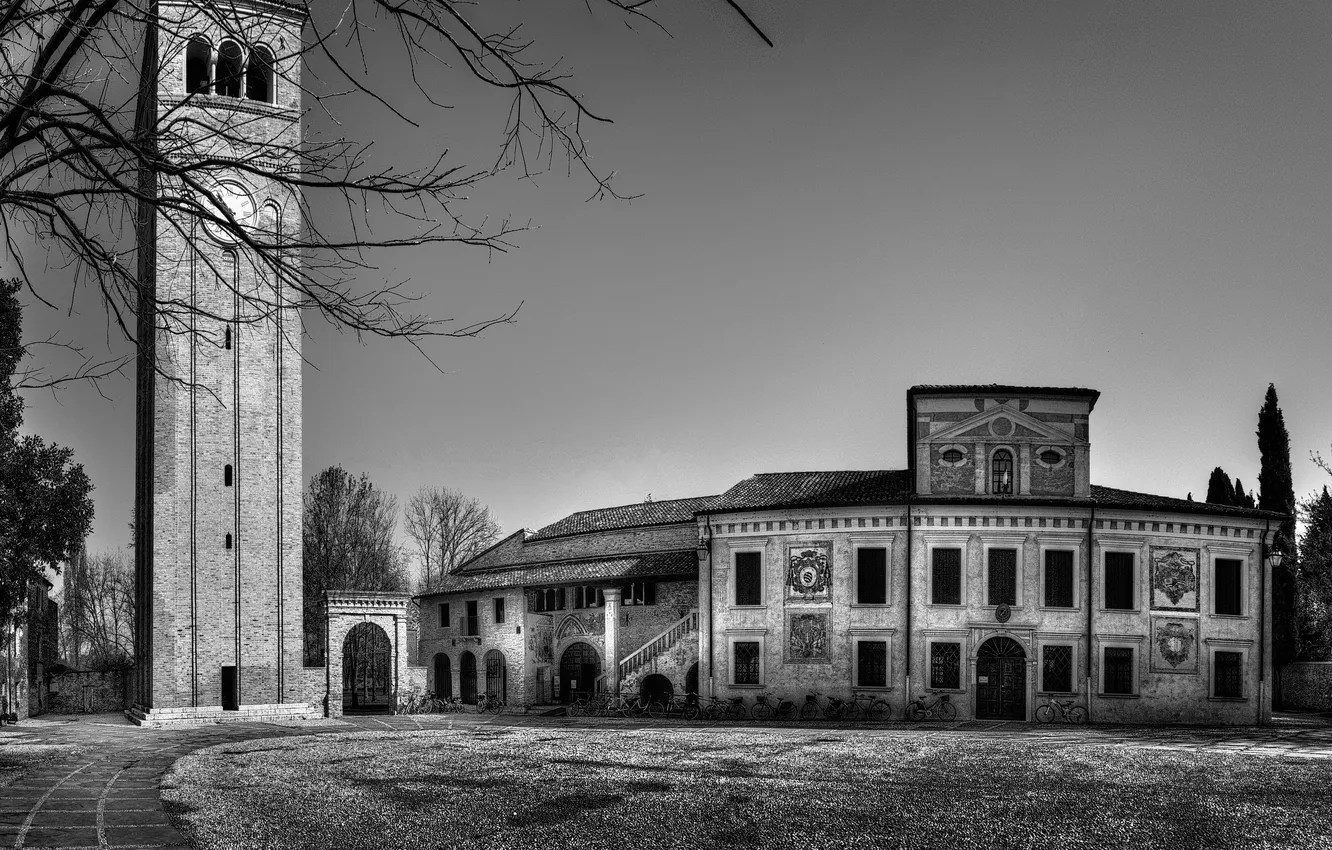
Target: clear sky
x,y
1133,197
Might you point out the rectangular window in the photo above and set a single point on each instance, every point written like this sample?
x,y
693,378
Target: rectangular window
x,y
443,615
872,663
748,578
1058,579
1003,576
639,593
1119,580
1226,597
746,662
499,609
945,665
1057,668
1118,670
946,577
1228,674
472,627
872,576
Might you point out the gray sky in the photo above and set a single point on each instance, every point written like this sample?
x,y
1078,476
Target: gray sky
x,y
1134,197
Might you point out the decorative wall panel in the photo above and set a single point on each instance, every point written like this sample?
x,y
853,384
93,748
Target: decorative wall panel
x,y
1174,645
807,638
809,572
1174,579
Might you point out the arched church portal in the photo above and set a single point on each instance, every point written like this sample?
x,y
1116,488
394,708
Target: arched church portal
x,y
1001,680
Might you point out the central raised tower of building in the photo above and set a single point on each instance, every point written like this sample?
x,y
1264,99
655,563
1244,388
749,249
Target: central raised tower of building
x,y
218,500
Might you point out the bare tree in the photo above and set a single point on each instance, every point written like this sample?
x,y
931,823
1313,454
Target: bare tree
x,y
449,528
103,156
349,544
97,610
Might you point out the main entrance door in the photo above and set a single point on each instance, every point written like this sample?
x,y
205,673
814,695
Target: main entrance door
x,y
578,671
1001,680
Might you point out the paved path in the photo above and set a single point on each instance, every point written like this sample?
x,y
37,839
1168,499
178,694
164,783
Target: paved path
x,y
106,796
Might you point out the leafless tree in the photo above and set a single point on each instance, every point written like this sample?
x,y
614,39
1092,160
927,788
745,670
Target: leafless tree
x,y
449,528
349,543
98,161
97,610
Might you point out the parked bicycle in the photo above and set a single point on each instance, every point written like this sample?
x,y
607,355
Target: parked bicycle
x,y
1067,711
870,707
768,708
686,708
836,708
718,708
940,707
489,703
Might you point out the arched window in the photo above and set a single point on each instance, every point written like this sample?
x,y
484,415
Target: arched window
x,y
228,539
226,337
1001,472
197,55
259,76
229,70
496,675
226,475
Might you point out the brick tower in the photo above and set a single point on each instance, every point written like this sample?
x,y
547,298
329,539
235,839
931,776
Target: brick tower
x,y
218,492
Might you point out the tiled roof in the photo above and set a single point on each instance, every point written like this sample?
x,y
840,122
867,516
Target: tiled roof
x,y
1003,389
817,489
1110,497
678,562
628,516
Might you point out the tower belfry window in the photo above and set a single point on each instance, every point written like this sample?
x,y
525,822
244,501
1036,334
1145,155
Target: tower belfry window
x,y
1001,472
226,475
230,70
259,76
197,55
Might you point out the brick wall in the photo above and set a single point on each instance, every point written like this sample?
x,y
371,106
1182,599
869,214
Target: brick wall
x,y
79,692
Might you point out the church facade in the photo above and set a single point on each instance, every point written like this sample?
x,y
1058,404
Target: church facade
x,y
990,570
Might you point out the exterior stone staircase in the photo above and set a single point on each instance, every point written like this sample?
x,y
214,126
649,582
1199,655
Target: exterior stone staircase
x,y
644,659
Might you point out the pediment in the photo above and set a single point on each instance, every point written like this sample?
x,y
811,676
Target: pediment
x,y
1020,428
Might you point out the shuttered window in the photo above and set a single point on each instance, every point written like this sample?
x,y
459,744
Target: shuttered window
x,y
748,578
1226,590
1058,579
872,576
946,577
1003,577
1119,580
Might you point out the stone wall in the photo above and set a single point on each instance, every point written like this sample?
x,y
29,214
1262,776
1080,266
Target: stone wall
x,y
1307,685
78,692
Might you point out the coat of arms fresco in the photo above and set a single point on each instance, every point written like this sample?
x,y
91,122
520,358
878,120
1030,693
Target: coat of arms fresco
x,y
1174,646
541,643
807,637
1174,579
809,571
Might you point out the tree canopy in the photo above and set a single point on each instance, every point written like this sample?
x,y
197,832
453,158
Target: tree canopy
x,y
449,529
1277,493
1314,596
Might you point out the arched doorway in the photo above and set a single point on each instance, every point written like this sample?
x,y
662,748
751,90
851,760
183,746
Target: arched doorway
x,y
467,677
367,677
1001,680
691,683
579,667
443,676
497,675
656,688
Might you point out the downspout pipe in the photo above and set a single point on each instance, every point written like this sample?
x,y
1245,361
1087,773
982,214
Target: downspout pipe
x,y
909,593
1091,584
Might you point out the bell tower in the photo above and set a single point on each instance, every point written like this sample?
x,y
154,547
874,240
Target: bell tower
x,y
219,480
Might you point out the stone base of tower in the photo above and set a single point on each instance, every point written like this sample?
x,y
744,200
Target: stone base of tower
x,y
140,716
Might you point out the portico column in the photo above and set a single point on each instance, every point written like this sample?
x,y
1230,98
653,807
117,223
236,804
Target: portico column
x,y
612,595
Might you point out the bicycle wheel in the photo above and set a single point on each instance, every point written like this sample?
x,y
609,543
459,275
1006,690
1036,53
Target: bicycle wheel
x,y
809,711
851,711
761,711
691,711
736,711
1045,714
879,710
656,710
947,711
914,711
1077,714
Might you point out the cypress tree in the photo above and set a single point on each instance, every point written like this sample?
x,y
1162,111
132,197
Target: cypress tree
x,y
1277,493
1242,499
1314,625
1220,490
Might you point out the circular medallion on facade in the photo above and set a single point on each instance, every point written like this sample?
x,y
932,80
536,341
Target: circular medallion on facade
x,y
1002,612
1001,427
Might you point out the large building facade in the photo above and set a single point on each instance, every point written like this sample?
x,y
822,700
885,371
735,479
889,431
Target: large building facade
x,y
218,568
990,570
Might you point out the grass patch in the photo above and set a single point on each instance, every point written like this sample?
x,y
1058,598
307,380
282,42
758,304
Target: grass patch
x,y
746,789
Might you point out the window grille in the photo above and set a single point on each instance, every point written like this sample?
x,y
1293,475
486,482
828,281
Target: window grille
x,y
1226,592
1057,668
872,576
1001,472
746,662
1228,674
1118,670
748,578
945,665
1119,580
1059,579
946,577
1003,576
872,663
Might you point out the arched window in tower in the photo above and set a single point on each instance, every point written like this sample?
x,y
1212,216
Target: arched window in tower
x,y
1001,472
197,55
229,70
226,337
259,78
228,539
226,475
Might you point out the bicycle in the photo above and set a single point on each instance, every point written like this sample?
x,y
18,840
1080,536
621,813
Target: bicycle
x,y
780,709
1067,711
836,709
918,709
724,709
876,709
675,705
489,703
